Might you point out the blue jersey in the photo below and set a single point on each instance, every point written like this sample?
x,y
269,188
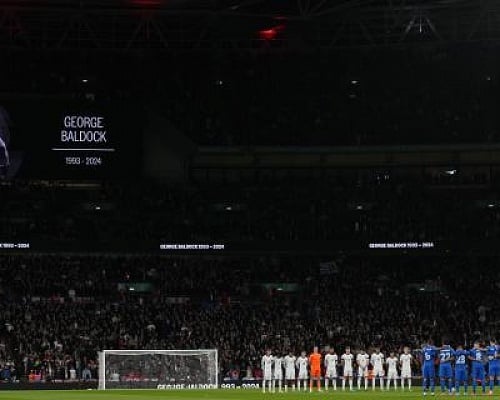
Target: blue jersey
x,y
477,356
493,352
461,359
429,355
445,355
494,363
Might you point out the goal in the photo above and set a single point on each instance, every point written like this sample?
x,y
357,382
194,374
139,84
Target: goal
x,y
158,369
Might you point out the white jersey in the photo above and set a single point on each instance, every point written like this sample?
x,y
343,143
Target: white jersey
x,y
348,359
377,360
278,368
392,364
302,363
331,365
405,360
362,360
289,367
392,368
267,367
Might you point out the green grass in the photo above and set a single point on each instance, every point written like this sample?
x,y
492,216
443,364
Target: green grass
x,y
208,395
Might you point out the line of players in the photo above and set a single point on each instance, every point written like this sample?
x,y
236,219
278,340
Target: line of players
x,y
297,370
453,368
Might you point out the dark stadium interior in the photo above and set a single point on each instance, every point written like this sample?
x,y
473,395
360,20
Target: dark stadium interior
x,y
377,97
244,176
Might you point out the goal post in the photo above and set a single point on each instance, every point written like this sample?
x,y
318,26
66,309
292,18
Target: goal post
x,y
158,369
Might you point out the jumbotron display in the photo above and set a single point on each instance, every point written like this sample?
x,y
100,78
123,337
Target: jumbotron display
x,y
71,138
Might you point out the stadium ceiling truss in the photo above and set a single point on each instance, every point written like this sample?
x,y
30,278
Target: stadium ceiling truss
x,y
171,25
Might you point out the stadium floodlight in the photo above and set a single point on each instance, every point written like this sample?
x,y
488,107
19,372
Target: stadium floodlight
x,y
158,369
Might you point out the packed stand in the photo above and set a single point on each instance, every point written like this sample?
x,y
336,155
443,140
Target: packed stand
x,y
59,311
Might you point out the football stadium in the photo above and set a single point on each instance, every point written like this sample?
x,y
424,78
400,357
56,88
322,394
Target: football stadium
x,y
249,199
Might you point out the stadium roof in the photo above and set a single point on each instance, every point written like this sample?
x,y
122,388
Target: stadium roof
x,y
236,24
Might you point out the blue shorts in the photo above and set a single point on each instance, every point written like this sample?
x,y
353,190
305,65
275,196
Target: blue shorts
x,y
477,372
428,371
460,375
494,369
445,370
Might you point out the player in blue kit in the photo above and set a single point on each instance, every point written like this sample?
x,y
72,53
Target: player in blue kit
x,y
493,351
477,357
428,368
446,354
461,378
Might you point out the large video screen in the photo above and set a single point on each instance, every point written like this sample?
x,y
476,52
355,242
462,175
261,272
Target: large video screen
x,y
54,137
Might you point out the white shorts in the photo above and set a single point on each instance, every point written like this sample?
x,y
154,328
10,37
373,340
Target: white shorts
x,y
331,373
392,375
278,376
347,371
303,375
363,371
406,373
290,374
268,376
378,372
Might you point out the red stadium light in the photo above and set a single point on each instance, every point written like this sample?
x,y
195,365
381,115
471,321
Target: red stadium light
x,y
271,33
268,34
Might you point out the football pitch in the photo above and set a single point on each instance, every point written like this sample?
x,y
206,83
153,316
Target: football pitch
x,y
210,395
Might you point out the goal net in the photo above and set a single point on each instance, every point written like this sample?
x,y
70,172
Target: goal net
x,y
158,369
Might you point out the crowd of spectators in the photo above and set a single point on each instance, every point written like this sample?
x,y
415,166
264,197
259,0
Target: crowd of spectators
x,y
59,311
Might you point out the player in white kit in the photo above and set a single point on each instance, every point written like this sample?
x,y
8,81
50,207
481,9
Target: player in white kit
x,y
302,363
278,373
405,361
347,361
392,371
362,359
289,361
331,360
267,368
377,361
